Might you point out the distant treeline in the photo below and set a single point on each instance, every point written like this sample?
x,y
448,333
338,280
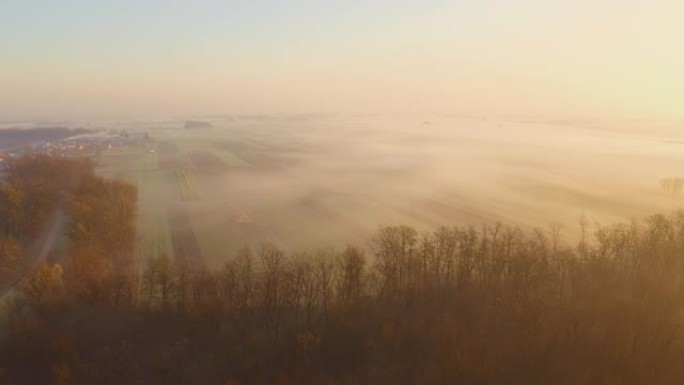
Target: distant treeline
x,y
48,134
197,124
672,185
460,305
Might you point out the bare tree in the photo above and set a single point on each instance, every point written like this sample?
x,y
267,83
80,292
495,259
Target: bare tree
x,y
351,264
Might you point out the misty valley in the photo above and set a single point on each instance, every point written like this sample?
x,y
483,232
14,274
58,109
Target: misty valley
x,y
404,192
310,182
341,250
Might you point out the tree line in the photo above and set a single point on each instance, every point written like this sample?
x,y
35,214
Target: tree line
x,y
471,305
93,248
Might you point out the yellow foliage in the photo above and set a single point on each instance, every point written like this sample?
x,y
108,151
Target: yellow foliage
x,y
61,372
44,284
10,255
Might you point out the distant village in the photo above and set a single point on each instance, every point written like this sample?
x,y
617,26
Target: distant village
x,y
60,141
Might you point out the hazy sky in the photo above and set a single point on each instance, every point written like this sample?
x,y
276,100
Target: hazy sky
x,y
143,58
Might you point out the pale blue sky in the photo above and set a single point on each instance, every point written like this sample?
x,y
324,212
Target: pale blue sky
x,y
128,24
157,57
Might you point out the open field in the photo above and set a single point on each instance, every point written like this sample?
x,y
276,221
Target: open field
x,y
333,181
187,184
186,248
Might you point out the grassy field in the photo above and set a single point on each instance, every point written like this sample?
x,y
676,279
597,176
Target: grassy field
x,y
156,188
187,184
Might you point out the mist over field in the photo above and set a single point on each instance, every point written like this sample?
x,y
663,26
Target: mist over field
x,y
312,181
404,192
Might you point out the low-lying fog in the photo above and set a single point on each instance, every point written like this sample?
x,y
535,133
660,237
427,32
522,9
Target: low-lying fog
x,y
314,181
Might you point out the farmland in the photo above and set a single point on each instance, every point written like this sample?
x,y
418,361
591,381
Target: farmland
x,y
186,248
333,181
187,184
